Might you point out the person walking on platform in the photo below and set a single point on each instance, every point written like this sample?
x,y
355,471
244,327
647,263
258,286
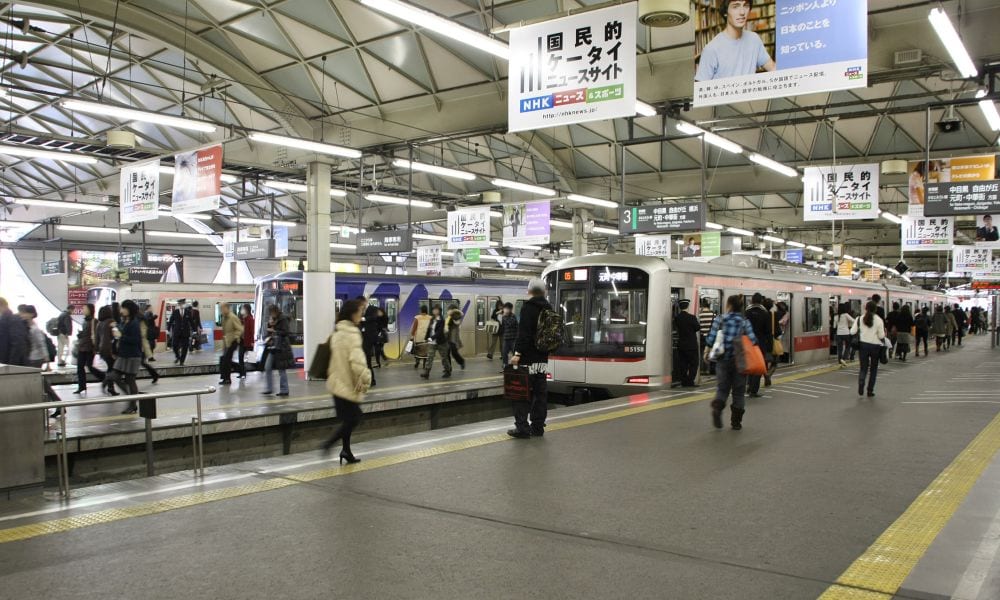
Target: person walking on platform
x,y
148,343
705,319
279,355
419,328
731,326
106,346
760,321
86,346
877,299
952,326
180,325
974,320
871,330
493,329
922,326
232,332
152,333
348,377
453,328
777,348
960,322
843,324
383,338
129,359
437,340
508,331
904,339
13,337
64,329
246,340
369,333
688,343
527,353
195,316
939,327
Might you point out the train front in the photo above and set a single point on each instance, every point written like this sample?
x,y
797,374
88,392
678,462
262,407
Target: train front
x,y
283,290
617,336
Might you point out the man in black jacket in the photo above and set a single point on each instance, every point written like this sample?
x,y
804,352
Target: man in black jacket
x,y
13,337
760,321
960,320
687,327
527,353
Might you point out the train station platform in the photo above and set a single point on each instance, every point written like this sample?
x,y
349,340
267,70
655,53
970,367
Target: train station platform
x,y
822,495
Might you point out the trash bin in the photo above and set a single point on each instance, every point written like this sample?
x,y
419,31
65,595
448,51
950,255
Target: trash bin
x,y
22,435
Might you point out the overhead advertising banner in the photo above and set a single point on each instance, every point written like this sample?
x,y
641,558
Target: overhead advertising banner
x,y
469,228
572,70
873,274
429,258
927,234
840,193
139,192
795,256
971,259
90,275
655,218
526,223
961,169
986,234
653,245
197,180
384,242
765,49
846,268
468,257
705,245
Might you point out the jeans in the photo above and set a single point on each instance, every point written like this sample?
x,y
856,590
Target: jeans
x,y
269,376
85,361
537,408
844,346
728,380
349,414
869,366
226,364
63,348
508,349
445,351
921,335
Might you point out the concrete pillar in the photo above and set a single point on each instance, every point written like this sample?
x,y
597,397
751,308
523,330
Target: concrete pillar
x,y
318,282
580,217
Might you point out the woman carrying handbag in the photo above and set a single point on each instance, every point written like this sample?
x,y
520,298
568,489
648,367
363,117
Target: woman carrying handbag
x,y
871,330
348,377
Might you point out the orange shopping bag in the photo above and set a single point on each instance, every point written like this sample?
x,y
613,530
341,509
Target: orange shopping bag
x,y
749,358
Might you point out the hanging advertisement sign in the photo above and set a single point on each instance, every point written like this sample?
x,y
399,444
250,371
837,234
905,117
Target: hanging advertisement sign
x,y
703,245
429,258
794,256
469,228
139,192
93,276
382,242
774,49
468,257
653,245
197,180
280,235
971,259
846,268
986,234
871,274
526,223
573,70
653,218
960,169
840,193
922,234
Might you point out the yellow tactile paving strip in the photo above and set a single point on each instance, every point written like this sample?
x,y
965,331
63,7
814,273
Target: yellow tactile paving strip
x,y
881,570
64,524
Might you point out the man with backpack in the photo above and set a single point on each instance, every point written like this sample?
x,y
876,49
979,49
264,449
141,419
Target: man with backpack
x,y
539,332
62,330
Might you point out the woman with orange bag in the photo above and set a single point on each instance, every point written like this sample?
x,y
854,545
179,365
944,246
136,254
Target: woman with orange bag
x,y
727,331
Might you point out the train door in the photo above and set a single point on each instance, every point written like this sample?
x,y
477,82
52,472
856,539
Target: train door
x,y
573,303
784,318
834,310
485,325
676,295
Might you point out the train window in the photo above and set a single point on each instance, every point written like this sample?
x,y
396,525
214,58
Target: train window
x,y
714,300
572,305
813,317
392,312
618,313
480,313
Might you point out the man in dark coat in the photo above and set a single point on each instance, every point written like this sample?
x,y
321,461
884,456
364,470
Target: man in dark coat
x,y
528,354
688,328
181,327
13,337
369,333
760,321
961,320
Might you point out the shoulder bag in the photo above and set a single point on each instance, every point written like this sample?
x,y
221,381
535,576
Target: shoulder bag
x,y
320,365
777,348
749,358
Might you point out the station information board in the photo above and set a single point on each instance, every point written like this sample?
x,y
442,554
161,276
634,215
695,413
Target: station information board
x,y
962,198
381,242
656,218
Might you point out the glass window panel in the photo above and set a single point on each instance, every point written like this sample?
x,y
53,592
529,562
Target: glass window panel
x,y
813,318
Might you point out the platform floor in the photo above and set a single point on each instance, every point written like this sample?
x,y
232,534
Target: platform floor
x,y
823,494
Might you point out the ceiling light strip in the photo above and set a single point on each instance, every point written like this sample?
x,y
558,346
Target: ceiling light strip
x,y
130,114
952,42
62,204
301,144
773,165
27,152
383,199
524,187
592,201
433,169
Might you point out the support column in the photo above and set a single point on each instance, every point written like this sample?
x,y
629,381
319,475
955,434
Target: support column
x,y
317,282
580,217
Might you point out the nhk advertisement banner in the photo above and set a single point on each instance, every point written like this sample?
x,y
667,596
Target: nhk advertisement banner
x,y
526,223
139,192
429,258
961,169
197,180
840,193
922,234
707,244
468,257
971,259
571,70
653,245
469,228
752,50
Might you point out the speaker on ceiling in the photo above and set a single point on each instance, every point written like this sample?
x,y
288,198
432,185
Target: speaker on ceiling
x,y
901,267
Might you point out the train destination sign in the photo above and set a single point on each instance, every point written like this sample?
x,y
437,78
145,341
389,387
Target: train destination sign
x,y
263,248
381,242
962,198
653,218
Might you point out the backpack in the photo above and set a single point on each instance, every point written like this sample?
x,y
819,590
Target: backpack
x,y
549,335
52,326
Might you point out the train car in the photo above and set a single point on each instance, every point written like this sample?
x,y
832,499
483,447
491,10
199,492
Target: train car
x,y
618,311
400,296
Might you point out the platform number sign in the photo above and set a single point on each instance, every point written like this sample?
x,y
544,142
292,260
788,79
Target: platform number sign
x,y
575,69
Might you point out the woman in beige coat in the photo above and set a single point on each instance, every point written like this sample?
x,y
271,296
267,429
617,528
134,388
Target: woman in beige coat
x,y
348,377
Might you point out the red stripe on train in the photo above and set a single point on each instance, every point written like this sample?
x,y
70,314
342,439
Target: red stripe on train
x,y
589,359
812,342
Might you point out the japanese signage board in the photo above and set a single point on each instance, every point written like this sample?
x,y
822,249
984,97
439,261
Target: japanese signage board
x,y
971,198
255,249
774,49
139,192
707,244
971,259
921,234
197,180
846,268
468,257
572,70
429,258
656,218
871,274
53,267
794,256
381,242
986,286
961,169
469,228
131,258
526,223
653,245
840,193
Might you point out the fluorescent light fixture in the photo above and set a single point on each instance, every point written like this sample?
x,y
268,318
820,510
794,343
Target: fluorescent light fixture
x,y
711,225
710,138
129,114
565,251
382,199
339,246
739,231
679,242
561,224
300,144
524,187
176,234
528,259
26,152
593,201
989,111
347,228
430,237
606,231
644,110
952,43
227,178
61,204
888,216
434,169
772,239
814,248
256,221
165,212
409,14
290,186
524,247
829,252
88,229
496,214
773,165
849,257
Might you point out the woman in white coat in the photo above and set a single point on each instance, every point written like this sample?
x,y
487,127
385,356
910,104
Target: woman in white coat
x,y
348,376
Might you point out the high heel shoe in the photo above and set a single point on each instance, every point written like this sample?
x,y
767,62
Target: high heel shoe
x,y
349,458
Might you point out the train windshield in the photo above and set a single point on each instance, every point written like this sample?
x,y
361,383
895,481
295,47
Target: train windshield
x,y
287,296
604,310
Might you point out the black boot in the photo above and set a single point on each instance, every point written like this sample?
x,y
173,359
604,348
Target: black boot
x,y
737,418
716,415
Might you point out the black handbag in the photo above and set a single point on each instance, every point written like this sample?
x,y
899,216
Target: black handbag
x,y
883,355
516,384
319,367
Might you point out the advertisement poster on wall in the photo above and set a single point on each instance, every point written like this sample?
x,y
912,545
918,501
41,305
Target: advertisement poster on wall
x,y
971,259
927,234
139,192
572,70
526,223
197,180
960,169
752,50
467,257
840,193
429,258
469,228
705,245
986,234
653,245
91,276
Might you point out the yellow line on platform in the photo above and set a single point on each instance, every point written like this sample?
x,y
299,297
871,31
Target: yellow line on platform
x,y
881,570
24,532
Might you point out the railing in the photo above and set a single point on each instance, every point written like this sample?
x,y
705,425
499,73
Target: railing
x,y
62,454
